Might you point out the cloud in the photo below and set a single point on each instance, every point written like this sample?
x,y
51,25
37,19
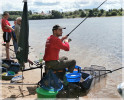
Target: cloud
x,y
114,1
12,5
45,4
61,5
1,7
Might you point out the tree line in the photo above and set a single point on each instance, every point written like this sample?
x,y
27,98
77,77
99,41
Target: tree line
x,y
54,14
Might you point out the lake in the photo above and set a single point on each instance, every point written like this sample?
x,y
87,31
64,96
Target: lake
x,y
97,41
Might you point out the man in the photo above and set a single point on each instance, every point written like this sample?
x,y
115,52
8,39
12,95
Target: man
x,y
53,46
6,27
17,34
17,28
14,38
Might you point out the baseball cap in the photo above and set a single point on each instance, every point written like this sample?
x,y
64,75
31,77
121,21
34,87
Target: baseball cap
x,y
55,27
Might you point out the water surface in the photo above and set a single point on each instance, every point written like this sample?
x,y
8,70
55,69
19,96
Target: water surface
x,y
97,41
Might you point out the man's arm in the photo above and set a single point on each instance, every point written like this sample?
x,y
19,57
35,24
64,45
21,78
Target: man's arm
x,y
60,45
9,27
63,38
6,26
17,32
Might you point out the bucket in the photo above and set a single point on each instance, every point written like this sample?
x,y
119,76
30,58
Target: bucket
x,y
42,93
73,77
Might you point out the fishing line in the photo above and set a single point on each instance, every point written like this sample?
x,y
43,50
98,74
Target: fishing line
x,y
85,19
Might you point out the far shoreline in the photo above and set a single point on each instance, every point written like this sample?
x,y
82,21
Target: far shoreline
x,y
74,18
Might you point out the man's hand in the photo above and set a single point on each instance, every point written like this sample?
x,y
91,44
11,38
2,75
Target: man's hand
x,y
9,27
69,40
63,38
5,27
66,40
13,30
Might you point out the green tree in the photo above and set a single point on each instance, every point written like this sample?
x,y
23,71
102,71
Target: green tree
x,y
114,13
80,10
99,14
83,14
95,12
90,13
108,13
56,14
76,12
101,11
30,12
69,14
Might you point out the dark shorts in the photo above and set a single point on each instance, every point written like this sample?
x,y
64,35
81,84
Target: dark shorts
x,y
6,37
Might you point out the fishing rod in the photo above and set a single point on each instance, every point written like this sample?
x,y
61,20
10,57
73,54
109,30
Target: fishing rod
x,y
30,62
84,19
18,84
110,71
10,48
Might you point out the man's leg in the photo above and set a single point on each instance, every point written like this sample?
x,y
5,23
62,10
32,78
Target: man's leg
x,y
15,46
63,58
59,65
55,63
7,37
7,51
70,64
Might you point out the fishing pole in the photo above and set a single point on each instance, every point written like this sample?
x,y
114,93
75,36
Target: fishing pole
x,y
10,48
18,84
85,19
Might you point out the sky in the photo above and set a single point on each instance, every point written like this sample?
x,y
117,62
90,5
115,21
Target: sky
x,y
60,5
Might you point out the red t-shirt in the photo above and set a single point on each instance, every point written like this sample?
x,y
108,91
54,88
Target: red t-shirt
x,y
53,46
5,22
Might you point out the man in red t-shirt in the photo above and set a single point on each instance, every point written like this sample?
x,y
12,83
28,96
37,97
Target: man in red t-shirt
x,y
52,49
6,27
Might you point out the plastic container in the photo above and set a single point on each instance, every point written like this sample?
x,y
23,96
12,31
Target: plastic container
x,y
120,89
17,78
86,84
11,73
76,69
8,75
73,77
5,65
42,93
15,67
8,62
2,69
41,58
